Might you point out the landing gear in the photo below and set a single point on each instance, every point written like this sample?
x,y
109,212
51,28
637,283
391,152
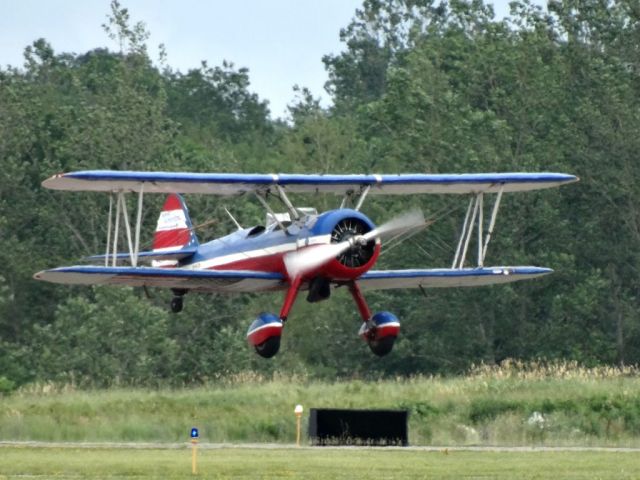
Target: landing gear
x,y
264,334
176,304
379,330
265,331
177,301
383,346
268,348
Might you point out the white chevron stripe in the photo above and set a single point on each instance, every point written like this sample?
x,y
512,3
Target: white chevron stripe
x,y
262,252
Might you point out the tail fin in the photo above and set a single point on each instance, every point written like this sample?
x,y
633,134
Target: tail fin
x,y
174,229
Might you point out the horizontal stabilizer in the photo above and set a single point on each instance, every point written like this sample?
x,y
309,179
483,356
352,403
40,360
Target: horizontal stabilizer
x,y
176,254
231,281
447,277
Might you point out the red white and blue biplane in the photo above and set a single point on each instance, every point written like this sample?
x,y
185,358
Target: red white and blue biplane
x,y
294,251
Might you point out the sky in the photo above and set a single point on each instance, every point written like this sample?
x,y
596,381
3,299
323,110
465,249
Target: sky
x,y
281,42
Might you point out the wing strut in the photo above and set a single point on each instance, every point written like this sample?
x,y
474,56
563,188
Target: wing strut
x,y
122,211
494,214
473,217
345,199
462,235
127,227
270,210
349,197
138,222
283,196
469,232
115,233
361,198
480,201
106,253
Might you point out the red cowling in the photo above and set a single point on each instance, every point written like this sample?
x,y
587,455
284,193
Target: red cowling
x,y
337,271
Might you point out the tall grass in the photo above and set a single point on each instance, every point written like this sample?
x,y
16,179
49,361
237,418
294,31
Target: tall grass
x,y
514,404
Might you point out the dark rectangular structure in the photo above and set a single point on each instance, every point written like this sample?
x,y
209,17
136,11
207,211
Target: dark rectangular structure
x,y
330,426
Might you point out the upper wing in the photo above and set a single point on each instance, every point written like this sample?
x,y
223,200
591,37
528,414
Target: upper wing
x,y
447,277
234,183
231,281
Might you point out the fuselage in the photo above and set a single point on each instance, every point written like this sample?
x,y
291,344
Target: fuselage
x,y
263,248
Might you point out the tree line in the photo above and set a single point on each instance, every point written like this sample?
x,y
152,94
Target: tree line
x,y
420,86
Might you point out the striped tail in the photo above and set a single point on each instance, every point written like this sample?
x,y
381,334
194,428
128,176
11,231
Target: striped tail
x,y
174,230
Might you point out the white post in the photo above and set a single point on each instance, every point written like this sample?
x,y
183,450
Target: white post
x,y
298,411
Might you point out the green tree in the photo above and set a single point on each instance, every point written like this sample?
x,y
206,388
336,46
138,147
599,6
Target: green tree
x,y
112,339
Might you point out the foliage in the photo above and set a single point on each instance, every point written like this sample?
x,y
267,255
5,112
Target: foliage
x,y
421,86
552,404
6,386
113,340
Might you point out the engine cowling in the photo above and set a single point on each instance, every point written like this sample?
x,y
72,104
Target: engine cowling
x,y
358,255
342,225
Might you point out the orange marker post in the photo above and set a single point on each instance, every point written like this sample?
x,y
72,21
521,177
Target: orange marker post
x,y
194,451
298,411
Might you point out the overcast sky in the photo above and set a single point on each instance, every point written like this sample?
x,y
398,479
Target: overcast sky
x,y
281,41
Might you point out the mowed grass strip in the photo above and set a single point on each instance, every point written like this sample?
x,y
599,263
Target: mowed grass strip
x,y
315,463
520,405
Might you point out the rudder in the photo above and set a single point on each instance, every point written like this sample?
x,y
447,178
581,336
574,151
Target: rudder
x,y
174,229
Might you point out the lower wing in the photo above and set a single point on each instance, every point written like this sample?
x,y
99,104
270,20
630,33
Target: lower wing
x,y
447,277
231,281
239,281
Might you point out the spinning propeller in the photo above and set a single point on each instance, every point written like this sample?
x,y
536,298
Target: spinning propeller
x,y
302,261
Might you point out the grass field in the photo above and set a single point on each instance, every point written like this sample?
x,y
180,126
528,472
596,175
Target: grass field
x,y
318,463
512,405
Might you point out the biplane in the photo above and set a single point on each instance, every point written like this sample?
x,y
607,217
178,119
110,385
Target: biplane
x,y
298,250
